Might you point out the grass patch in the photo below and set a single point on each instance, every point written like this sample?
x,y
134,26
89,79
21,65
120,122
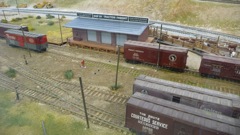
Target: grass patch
x,y
26,117
113,87
4,21
52,32
68,74
11,73
50,23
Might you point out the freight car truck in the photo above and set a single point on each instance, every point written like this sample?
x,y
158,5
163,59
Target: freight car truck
x,y
147,115
29,40
219,66
166,56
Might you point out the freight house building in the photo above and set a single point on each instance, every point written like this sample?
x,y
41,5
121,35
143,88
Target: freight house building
x,y
110,30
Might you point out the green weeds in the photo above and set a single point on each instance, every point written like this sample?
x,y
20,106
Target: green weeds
x,y
11,73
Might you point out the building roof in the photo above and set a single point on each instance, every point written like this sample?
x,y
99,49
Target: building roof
x,y
108,26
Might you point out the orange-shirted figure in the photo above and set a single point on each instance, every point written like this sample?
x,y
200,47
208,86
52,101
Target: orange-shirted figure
x,y
83,64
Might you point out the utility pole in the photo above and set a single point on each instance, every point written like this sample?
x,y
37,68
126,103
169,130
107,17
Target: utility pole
x,y
117,67
44,130
24,57
161,33
60,28
158,57
24,37
4,15
84,104
17,94
17,7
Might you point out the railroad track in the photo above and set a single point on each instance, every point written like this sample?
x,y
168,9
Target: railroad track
x,y
95,116
57,53
135,72
171,27
188,31
52,90
224,1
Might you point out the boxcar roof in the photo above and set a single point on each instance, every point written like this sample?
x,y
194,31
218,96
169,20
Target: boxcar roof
x,y
156,46
185,113
225,97
11,26
27,34
222,59
185,93
108,26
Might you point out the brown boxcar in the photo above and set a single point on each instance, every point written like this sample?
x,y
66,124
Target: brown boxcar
x,y
29,40
205,99
169,56
4,27
148,115
219,66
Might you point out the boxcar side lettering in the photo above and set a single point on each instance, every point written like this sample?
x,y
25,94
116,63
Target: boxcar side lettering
x,y
157,123
135,116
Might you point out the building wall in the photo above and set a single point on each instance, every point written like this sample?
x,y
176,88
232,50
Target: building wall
x,y
144,35
132,37
114,42
99,40
79,34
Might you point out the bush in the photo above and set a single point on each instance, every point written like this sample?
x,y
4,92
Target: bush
x,y
112,87
11,73
30,16
31,28
4,21
14,20
50,23
63,16
48,16
18,19
38,17
68,74
24,17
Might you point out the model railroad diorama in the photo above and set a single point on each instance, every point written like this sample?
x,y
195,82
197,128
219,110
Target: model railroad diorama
x,y
156,106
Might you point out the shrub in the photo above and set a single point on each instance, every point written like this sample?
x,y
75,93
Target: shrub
x,y
31,28
63,16
112,87
18,18
50,23
68,74
48,16
38,17
14,20
30,16
24,17
4,21
11,73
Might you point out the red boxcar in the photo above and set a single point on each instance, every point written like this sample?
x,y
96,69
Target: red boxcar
x,y
169,56
4,27
149,115
224,67
34,41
